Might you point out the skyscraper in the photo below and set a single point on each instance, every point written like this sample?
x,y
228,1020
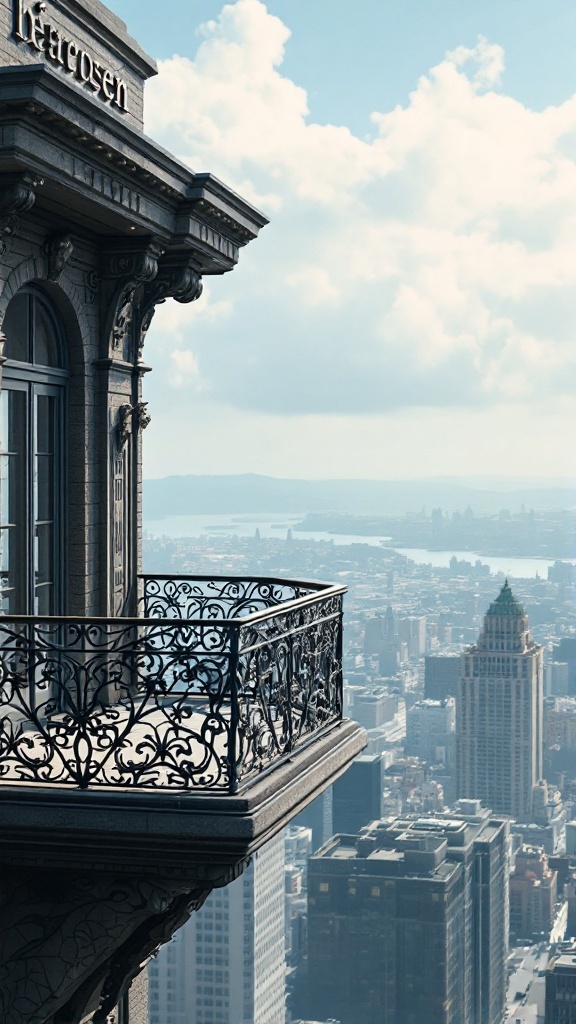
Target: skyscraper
x,y
499,712
561,986
407,922
358,794
227,965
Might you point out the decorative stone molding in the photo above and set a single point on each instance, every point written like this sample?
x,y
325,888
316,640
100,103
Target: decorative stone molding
x,y
16,197
131,417
71,943
177,278
141,415
125,270
58,249
124,425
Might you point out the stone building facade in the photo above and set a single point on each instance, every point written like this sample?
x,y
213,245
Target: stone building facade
x,y
109,837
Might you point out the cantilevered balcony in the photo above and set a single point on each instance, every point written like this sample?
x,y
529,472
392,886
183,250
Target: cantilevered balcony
x,y
142,762
220,707
216,683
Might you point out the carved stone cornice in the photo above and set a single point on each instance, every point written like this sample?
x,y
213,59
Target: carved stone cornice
x,y
177,278
16,197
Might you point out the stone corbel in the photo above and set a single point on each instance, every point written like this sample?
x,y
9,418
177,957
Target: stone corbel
x,y
125,271
178,279
71,944
16,197
58,249
130,418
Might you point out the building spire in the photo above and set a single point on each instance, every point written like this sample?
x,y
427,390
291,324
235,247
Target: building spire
x,y
506,603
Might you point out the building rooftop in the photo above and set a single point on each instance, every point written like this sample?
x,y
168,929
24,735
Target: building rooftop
x,y
506,603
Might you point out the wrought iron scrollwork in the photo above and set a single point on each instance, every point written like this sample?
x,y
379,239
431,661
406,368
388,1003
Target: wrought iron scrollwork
x,y
217,681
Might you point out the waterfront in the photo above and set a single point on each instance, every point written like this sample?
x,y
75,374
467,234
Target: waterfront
x,y
276,526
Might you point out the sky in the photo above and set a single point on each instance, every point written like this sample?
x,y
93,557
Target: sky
x,y
410,311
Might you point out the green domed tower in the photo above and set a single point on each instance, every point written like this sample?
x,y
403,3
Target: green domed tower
x,y
499,712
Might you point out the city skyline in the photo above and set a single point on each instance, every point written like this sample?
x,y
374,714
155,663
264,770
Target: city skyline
x,y
411,303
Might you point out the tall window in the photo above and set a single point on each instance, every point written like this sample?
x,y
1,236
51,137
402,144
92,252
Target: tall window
x,y
32,457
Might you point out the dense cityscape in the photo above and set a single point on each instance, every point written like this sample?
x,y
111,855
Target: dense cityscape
x,y
287,626
352,956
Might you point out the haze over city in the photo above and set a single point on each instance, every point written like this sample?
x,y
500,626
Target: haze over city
x,y
288,625
410,309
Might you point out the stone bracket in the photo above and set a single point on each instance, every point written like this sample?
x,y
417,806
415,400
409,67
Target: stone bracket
x,y
70,945
178,279
124,269
17,195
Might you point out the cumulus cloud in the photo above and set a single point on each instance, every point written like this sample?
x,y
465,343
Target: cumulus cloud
x,y
431,263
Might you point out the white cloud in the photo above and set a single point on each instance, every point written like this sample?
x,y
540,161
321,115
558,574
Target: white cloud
x,y
431,264
185,369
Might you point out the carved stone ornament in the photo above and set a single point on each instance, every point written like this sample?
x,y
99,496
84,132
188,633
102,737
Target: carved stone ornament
x,y
124,425
15,199
91,282
125,271
72,942
141,415
58,249
124,316
177,279
130,418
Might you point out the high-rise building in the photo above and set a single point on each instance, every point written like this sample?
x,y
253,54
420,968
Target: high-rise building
x,y
533,889
407,922
430,728
499,712
561,986
227,964
412,632
441,674
357,794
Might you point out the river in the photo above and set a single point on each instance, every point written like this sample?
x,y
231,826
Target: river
x,y
277,525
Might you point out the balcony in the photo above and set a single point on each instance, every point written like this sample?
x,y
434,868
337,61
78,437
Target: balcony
x,y
195,730
216,683
142,762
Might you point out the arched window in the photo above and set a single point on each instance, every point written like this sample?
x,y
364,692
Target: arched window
x,y
32,457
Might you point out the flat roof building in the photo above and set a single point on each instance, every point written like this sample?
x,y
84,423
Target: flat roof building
x,y
408,921
561,986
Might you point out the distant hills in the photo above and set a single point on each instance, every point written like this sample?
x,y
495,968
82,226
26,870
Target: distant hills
x,y
249,493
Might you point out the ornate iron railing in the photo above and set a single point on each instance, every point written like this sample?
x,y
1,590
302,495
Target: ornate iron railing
x,y
217,681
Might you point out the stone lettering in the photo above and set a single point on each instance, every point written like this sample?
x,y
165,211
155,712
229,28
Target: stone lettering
x,y
18,25
44,37
108,85
121,97
96,78
85,66
37,35
71,55
53,47
107,186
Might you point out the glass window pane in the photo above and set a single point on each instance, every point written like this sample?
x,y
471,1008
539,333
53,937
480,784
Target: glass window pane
x,y
4,490
45,432
44,488
44,544
4,429
4,550
16,328
44,602
46,347
13,501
